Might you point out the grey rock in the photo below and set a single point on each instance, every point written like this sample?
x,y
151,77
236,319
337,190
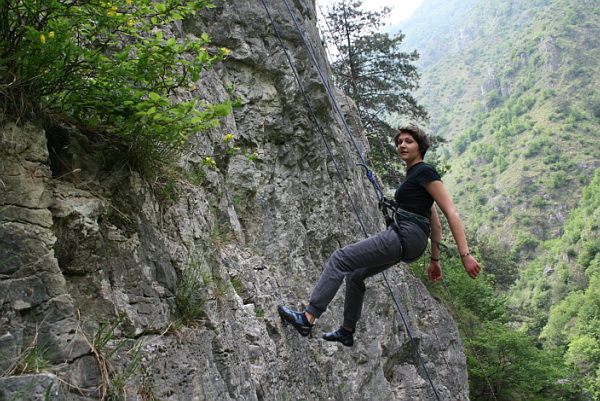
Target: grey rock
x,y
36,387
97,269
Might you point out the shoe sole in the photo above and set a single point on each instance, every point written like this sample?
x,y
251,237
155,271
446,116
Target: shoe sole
x,y
346,342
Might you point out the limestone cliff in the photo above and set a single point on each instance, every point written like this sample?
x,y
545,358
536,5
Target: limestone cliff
x,y
95,261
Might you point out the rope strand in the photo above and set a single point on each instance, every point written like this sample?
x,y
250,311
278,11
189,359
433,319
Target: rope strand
x,y
375,184
313,116
363,163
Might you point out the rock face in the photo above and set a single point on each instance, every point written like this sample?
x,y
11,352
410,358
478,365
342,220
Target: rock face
x,y
99,268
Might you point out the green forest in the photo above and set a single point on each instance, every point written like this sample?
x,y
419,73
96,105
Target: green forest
x,y
513,88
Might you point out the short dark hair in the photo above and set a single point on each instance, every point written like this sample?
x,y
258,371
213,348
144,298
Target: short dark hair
x,y
418,135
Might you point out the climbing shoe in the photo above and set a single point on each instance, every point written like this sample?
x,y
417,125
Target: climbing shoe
x,y
296,319
346,339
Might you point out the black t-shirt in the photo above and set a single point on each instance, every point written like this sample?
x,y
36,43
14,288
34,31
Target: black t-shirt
x,y
411,195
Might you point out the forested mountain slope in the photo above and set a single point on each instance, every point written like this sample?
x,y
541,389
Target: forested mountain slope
x,y
513,87
557,297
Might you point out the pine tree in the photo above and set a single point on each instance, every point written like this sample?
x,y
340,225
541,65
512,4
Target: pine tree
x,y
371,69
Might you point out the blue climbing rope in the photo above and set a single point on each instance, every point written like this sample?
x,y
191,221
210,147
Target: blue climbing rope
x,y
313,115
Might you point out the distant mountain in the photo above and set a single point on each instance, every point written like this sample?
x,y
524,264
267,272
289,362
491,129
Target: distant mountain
x,y
513,87
433,19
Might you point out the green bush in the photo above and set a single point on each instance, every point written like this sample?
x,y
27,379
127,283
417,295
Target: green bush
x,y
508,363
485,151
111,66
503,363
464,140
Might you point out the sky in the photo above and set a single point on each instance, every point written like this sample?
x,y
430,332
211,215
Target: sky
x,y
402,9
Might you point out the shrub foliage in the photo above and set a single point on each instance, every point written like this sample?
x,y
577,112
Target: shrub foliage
x,y
111,66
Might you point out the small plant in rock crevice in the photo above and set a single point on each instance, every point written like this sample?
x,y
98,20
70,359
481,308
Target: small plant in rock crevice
x,y
32,358
191,292
107,343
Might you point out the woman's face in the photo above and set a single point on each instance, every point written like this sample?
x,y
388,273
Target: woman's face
x,y
408,149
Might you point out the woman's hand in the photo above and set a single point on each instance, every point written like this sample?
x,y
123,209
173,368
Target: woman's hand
x,y
434,271
471,266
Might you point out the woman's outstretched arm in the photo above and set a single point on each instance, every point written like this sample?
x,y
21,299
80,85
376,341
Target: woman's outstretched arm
x,y
437,190
435,269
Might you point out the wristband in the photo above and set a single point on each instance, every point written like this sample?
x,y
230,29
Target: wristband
x,y
434,259
462,255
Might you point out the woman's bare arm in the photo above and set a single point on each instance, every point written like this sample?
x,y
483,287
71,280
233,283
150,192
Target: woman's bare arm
x,y
434,270
442,199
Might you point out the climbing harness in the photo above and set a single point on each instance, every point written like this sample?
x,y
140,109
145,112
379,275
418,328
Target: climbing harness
x,y
393,214
370,174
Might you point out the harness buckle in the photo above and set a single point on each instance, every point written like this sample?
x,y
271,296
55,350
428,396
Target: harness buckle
x,y
385,205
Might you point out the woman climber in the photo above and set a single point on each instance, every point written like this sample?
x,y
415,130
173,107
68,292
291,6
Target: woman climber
x,y
405,239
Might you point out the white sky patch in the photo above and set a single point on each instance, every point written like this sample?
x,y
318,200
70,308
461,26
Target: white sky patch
x,y
401,9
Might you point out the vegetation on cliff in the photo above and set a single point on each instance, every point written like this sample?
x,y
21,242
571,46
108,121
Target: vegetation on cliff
x,y
111,68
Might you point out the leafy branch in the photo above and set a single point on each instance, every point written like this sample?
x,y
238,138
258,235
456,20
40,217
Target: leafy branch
x,y
114,67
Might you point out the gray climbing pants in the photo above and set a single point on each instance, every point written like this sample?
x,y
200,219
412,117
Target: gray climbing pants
x,y
361,260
